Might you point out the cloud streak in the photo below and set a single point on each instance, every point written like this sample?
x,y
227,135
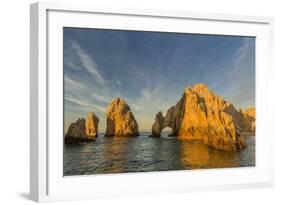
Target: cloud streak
x,y
87,62
72,85
240,56
84,103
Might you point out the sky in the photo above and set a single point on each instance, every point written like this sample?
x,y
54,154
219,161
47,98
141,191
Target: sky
x,y
150,71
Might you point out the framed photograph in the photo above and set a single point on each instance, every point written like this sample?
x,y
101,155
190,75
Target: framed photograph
x,y
130,101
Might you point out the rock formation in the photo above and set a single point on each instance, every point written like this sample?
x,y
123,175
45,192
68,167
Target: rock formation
x,y
120,120
82,131
91,124
251,119
201,115
76,132
244,122
251,112
158,125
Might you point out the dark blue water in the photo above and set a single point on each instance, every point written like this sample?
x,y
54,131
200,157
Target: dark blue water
x,y
143,154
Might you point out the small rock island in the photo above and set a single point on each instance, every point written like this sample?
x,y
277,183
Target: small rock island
x,y
82,130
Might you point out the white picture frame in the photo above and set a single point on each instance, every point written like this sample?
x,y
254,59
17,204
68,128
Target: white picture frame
x,y
46,178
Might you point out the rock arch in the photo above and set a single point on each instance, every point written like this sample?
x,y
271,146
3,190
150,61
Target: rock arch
x,y
172,119
201,115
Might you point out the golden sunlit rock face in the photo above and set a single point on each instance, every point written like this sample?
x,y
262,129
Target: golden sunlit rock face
x,y
82,131
91,124
251,112
201,115
120,120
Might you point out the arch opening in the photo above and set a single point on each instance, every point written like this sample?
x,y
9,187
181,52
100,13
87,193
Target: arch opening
x,y
166,132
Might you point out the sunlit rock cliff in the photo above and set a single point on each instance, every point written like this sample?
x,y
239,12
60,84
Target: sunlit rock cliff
x,y
82,131
201,115
120,120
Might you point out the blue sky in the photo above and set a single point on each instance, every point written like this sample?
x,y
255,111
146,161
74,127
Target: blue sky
x,y
150,70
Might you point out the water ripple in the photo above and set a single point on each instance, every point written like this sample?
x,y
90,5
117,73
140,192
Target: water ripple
x,y
143,154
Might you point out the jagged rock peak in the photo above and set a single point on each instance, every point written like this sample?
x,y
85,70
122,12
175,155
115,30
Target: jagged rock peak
x,y
200,87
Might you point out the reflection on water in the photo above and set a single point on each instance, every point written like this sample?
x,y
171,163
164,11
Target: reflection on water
x,y
140,154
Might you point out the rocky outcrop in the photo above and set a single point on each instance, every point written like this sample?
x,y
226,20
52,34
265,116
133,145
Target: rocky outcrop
x,y
91,124
158,125
251,112
120,120
201,115
244,122
76,132
250,115
82,131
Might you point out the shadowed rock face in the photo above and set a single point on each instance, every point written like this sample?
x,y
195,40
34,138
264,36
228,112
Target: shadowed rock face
x,y
201,115
82,131
76,132
91,123
120,120
244,121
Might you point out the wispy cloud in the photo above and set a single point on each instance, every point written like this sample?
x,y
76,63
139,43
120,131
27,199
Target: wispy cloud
x,y
102,98
149,102
85,103
240,56
72,85
240,87
93,93
72,63
147,95
243,51
87,62
82,94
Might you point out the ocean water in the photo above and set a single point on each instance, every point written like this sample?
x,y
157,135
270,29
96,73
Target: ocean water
x,y
143,154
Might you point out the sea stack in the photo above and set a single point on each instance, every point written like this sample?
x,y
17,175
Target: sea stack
x,y
76,132
120,120
82,130
91,123
201,115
